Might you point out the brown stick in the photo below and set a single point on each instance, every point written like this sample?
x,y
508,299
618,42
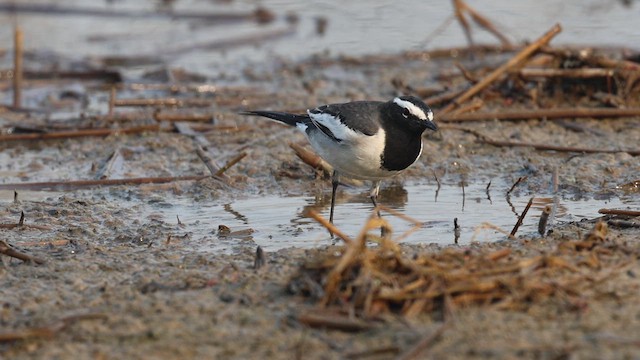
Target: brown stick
x,y
324,222
332,321
82,133
619,212
520,179
465,73
567,73
486,24
521,218
520,57
633,152
114,160
207,160
435,100
230,163
417,351
50,330
161,116
458,8
25,226
311,158
617,64
78,184
9,251
209,17
17,67
104,75
163,102
548,114
112,100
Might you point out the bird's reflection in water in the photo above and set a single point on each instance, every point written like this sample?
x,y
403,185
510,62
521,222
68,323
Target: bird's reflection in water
x,y
393,195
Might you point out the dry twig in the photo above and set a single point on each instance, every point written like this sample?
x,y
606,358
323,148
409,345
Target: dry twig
x,y
6,249
619,212
50,330
236,159
548,114
82,184
82,133
17,67
521,218
518,59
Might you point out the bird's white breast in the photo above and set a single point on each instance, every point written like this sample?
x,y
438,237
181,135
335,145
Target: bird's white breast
x,y
356,156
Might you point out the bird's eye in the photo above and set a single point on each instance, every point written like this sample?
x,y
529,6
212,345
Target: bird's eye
x,y
405,113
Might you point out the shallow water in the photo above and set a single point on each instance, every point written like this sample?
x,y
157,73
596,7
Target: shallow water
x,y
278,222
275,222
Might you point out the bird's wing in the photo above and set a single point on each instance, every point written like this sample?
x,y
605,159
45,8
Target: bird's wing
x,y
349,121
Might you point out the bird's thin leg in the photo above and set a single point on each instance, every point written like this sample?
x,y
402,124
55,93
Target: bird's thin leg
x,y
335,180
375,189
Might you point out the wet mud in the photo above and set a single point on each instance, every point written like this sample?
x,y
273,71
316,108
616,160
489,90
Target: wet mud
x,y
167,269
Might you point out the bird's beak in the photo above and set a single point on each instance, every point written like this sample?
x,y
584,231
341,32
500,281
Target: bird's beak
x,y
432,125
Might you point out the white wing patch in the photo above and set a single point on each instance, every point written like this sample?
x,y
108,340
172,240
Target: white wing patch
x,y
339,130
413,109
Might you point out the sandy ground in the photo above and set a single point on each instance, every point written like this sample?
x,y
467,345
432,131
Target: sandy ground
x,y
159,298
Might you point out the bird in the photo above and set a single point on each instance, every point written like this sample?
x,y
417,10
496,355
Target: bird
x,y
365,140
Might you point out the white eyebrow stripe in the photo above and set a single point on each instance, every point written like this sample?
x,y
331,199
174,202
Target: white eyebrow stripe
x,y
416,111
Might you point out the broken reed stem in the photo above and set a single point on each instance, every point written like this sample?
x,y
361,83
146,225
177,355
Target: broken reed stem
x,y
416,225
259,15
520,179
161,116
6,249
82,133
519,58
163,102
458,8
417,351
544,219
22,225
206,159
329,226
230,164
259,259
333,321
435,100
521,218
112,100
114,160
18,41
619,212
311,159
79,184
633,152
548,114
484,139
50,330
584,73
485,23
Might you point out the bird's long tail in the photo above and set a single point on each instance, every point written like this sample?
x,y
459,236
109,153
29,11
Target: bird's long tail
x,y
289,119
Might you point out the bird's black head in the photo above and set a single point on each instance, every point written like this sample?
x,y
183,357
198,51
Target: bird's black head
x,y
413,109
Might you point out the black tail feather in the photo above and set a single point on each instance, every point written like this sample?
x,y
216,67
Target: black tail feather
x,y
289,119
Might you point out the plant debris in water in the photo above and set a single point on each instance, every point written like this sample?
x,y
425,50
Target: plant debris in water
x,y
368,281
